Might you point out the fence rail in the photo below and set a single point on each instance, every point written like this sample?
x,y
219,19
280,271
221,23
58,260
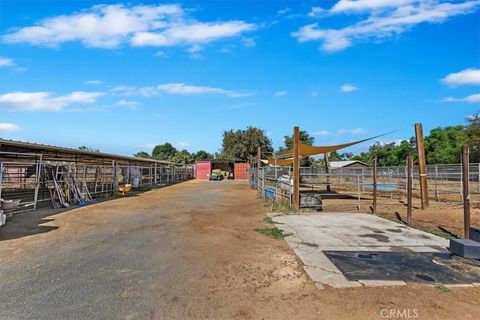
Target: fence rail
x,y
347,186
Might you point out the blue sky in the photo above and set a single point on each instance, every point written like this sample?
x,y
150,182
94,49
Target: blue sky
x,y
124,76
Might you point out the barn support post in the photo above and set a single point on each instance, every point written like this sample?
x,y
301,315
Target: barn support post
x,y
422,165
155,175
1,177
466,193
375,169
409,188
115,175
38,171
296,168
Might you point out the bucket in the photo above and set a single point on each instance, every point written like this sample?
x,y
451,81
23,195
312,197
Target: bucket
x,y
135,182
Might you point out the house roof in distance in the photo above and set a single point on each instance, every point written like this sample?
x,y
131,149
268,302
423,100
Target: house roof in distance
x,y
343,164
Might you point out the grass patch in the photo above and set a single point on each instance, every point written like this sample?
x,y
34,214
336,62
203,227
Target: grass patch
x,y
438,232
442,289
268,219
310,244
273,232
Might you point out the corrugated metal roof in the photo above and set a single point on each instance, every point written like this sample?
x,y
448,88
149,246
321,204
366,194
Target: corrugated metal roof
x,y
39,147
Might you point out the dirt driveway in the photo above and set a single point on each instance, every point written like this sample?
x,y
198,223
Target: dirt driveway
x,y
187,251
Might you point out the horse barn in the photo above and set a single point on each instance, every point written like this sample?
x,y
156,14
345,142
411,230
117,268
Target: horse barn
x,y
33,175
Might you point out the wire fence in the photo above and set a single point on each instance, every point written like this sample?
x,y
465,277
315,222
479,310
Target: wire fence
x,y
347,187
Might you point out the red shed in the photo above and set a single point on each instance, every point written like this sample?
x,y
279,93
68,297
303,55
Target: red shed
x,y
241,170
203,168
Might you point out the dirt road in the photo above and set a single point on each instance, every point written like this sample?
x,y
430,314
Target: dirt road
x,y
187,251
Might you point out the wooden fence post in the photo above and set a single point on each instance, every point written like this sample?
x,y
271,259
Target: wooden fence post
x,y
466,194
422,165
296,168
327,171
375,168
409,188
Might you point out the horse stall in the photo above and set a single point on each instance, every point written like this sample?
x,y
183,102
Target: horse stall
x,y
33,175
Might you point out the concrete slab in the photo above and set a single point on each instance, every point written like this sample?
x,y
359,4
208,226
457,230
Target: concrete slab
x,y
315,234
466,248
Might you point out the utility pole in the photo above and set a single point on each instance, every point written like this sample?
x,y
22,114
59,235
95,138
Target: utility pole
x,y
422,165
296,168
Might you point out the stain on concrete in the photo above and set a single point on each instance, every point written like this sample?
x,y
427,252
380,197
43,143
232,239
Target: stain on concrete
x,y
378,237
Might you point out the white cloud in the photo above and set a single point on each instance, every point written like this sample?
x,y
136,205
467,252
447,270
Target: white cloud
x,y
280,93
283,11
357,131
8,127
386,18
195,49
148,145
160,54
322,133
127,103
368,5
110,26
6,62
177,89
474,98
347,87
465,77
183,145
249,42
191,33
316,12
93,82
186,89
44,101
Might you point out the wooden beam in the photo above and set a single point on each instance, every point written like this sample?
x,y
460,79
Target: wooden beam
x,y
466,191
409,188
422,165
296,168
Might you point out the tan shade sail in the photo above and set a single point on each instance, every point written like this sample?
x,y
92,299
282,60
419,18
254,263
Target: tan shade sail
x,y
279,162
306,150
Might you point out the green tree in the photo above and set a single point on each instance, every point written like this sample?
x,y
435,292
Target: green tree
x,y
443,145
305,138
336,156
84,148
203,155
142,154
473,136
184,157
164,151
241,144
